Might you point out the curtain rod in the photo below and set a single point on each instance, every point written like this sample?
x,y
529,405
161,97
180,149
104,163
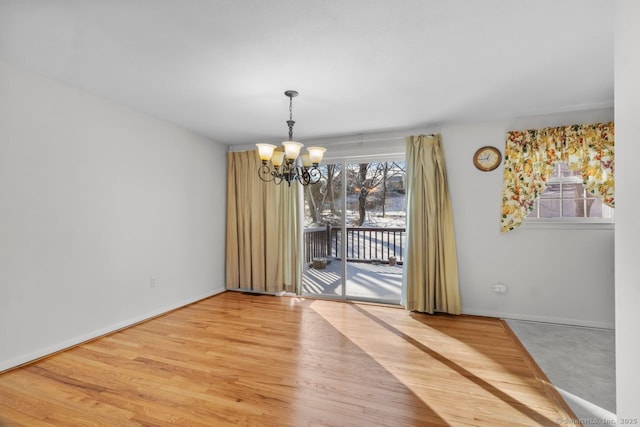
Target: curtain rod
x,y
361,141
368,156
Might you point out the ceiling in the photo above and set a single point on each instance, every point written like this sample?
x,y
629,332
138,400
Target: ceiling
x,y
220,67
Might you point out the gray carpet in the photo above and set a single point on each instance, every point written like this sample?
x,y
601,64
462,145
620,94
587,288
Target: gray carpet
x,y
579,362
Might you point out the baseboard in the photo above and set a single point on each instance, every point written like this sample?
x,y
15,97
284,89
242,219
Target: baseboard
x,y
544,319
24,359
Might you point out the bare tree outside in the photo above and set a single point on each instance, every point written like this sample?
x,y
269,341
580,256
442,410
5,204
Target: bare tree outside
x,y
322,198
373,190
393,180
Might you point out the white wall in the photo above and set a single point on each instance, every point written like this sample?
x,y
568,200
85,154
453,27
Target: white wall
x,y
627,95
552,275
95,201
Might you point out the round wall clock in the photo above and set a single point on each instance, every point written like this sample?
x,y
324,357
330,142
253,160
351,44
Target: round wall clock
x,y
487,158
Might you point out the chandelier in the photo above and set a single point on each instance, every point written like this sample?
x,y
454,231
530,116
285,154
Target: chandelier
x,y
289,165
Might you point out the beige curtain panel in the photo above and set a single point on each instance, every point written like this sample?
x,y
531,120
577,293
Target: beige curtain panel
x,y
263,229
431,264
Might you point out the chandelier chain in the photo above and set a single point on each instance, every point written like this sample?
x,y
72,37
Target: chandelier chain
x,y
290,122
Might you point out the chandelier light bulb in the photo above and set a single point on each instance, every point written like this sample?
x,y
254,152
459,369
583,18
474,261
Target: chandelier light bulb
x,y
265,151
277,158
316,154
291,149
306,160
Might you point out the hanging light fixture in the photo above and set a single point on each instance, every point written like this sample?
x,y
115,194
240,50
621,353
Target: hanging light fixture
x,y
289,165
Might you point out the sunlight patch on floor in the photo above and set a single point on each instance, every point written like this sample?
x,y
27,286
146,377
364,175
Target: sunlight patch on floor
x,y
364,280
426,369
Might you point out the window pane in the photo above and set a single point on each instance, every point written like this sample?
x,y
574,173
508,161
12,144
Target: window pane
x,y
595,209
572,191
562,169
607,212
550,208
573,208
552,191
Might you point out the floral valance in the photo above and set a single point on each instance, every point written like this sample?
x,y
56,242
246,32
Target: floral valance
x,y
529,160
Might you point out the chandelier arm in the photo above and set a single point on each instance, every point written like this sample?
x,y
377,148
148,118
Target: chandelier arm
x,y
283,173
266,174
314,175
303,176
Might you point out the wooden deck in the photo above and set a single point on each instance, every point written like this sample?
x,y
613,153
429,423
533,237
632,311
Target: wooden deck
x,y
238,359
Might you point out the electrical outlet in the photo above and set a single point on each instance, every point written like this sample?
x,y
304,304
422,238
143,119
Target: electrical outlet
x,y
153,283
499,288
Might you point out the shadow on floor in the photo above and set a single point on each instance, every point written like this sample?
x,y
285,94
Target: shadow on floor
x,y
364,281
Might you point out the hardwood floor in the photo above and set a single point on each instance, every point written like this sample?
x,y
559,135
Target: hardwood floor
x,y
238,359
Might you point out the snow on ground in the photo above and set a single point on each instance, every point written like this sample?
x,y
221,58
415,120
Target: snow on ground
x,y
395,215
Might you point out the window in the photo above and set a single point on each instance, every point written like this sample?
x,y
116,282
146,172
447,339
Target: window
x,y
566,199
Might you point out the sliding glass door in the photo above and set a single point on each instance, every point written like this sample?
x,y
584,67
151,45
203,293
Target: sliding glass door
x,y
355,232
323,220
375,230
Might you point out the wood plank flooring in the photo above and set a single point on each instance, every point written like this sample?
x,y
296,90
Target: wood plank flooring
x,y
238,359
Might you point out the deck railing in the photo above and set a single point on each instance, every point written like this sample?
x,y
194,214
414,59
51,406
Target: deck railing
x,y
364,244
